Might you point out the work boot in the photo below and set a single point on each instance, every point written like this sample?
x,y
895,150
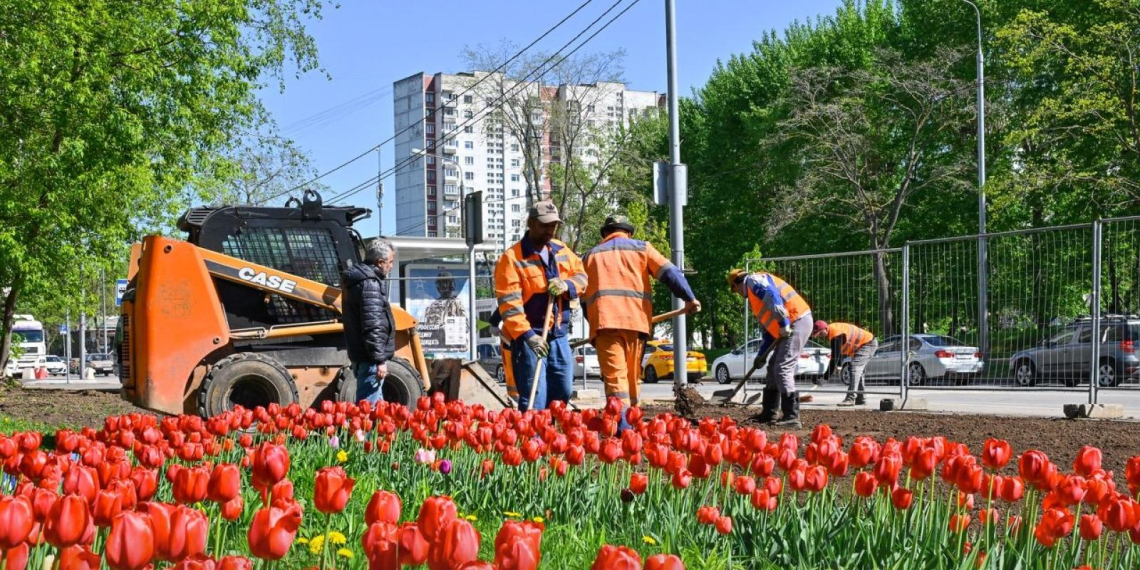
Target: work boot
x,y
770,402
860,400
790,405
848,402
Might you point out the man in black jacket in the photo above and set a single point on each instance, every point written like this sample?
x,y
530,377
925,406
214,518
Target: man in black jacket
x,y
369,327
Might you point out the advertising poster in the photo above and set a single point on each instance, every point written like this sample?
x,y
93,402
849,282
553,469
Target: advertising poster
x,y
436,295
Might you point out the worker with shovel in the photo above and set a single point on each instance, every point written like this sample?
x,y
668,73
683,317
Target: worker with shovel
x,y
619,304
849,342
535,280
785,319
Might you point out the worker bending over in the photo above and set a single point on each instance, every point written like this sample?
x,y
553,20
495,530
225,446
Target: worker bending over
x,y
850,341
534,272
619,304
785,319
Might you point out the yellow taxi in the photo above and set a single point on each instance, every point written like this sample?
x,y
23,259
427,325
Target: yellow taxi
x,y
658,362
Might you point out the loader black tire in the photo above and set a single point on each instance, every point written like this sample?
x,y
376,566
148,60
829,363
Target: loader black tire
x,y
245,378
402,386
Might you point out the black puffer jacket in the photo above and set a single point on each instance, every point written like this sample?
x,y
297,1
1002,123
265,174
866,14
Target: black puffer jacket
x,y
369,327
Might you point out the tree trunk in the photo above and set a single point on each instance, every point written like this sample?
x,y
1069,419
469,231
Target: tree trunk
x,y
9,313
886,314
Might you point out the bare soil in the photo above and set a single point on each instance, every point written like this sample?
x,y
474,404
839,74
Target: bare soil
x,y
62,408
1058,438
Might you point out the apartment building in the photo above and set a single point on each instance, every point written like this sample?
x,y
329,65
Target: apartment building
x,y
457,143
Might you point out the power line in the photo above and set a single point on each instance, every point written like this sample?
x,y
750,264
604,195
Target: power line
x,y
522,83
437,109
336,111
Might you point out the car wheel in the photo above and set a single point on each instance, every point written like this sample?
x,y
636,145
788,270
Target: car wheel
x,y
917,374
722,374
845,375
500,375
651,375
1025,374
1108,376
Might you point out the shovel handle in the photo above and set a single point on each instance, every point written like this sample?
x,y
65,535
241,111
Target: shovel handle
x,y
538,364
669,315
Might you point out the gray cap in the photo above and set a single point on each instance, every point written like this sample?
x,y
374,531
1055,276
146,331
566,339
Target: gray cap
x,y
545,212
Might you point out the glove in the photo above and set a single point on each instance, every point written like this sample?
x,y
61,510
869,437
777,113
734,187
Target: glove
x,y
538,345
557,287
693,306
786,332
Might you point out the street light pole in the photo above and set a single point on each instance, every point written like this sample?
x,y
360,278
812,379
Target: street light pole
x,y
678,190
983,321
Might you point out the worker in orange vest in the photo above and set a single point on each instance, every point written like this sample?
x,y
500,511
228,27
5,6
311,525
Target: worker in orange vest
x,y
785,319
537,271
504,354
849,341
619,303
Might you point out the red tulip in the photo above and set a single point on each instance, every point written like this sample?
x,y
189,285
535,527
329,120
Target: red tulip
x,y
81,481
379,543
16,520
130,546
887,469
69,522
383,506
270,464
617,558
638,483
79,558
745,485
145,482
412,547
865,484
682,478
42,502
1012,489
16,558
1091,527
235,563
1033,465
902,498
707,515
996,453
190,484
1072,489
435,514
225,483
815,479
108,504
232,510
188,530
959,523
762,465
1088,461
664,562
724,525
455,545
332,490
160,515
762,500
517,546
272,531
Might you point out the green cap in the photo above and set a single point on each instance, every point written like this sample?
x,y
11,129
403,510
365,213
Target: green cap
x,y
617,222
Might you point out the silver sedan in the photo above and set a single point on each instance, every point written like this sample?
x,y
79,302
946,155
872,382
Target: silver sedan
x,y
932,357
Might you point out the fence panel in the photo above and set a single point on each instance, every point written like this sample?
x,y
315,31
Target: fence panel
x,y
1036,324
862,288
1118,361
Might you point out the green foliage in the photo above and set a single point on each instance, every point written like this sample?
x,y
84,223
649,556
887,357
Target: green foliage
x,y
109,111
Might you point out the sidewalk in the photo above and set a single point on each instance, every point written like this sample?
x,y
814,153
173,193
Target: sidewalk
x,y
76,384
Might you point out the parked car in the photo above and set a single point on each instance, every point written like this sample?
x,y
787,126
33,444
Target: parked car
x,y
657,363
932,357
491,359
102,362
54,364
813,362
586,361
1067,356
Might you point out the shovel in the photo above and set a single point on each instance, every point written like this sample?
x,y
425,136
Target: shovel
x,y
748,375
656,319
538,365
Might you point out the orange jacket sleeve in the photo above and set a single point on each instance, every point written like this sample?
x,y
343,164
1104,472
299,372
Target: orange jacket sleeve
x,y
509,293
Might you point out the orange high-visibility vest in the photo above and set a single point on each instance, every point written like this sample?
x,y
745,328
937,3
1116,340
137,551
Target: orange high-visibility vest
x,y
762,308
521,280
619,294
856,337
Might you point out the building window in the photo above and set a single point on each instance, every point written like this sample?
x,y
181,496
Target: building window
x,y
429,129
515,147
469,175
450,173
514,163
449,189
590,108
468,99
448,127
453,219
431,176
516,223
468,114
431,160
468,144
431,191
469,160
429,97
432,234
514,178
468,129
431,207
516,208
515,193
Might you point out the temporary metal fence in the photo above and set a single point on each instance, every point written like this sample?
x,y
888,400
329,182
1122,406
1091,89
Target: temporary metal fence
x,y
1024,318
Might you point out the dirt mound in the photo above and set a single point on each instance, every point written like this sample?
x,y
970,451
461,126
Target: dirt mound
x,y
62,408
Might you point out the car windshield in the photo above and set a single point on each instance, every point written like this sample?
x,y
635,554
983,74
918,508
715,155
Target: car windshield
x,y
665,347
99,357
27,336
942,341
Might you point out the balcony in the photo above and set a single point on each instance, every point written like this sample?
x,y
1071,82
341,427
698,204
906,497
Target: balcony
x,y
451,147
450,176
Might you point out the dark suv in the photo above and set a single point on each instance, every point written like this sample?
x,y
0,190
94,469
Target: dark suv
x,y
1067,356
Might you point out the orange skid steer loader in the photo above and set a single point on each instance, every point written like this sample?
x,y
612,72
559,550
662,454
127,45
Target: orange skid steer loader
x,y
247,311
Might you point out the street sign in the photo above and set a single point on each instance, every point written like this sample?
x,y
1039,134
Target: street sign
x,y
120,290
62,329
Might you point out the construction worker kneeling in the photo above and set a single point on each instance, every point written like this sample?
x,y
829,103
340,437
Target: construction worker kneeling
x,y
785,326
619,304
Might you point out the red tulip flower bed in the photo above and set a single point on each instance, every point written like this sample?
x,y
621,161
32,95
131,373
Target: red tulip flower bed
x,y
448,487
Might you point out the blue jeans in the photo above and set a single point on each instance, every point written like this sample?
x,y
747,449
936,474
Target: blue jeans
x,y
555,377
368,386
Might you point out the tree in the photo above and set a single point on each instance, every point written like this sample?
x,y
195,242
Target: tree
x,y
546,104
259,169
110,108
867,141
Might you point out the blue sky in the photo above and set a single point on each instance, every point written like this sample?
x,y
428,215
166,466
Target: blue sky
x,y
367,44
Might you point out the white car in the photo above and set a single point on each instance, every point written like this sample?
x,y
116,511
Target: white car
x,y
54,364
813,362
586,360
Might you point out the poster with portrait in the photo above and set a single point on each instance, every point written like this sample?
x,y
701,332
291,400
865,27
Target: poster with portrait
x,y
436,295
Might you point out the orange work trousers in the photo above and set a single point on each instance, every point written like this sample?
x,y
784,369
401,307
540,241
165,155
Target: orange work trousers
x,y
619,356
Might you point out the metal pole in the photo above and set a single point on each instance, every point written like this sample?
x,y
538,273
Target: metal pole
x,y
82,341
1094,360
103,305
379,193
904,338
473,333
983,320
677,192
67,346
